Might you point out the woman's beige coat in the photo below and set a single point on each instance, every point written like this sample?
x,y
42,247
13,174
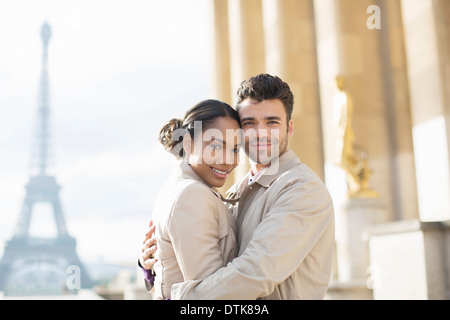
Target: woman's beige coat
x,y
195,232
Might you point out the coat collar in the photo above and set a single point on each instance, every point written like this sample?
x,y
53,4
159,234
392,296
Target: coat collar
x,y
278,166
185,171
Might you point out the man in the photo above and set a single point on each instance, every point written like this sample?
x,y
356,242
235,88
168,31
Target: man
x,y
284,213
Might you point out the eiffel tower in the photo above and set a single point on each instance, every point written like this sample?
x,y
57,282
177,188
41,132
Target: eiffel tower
x,y
42,266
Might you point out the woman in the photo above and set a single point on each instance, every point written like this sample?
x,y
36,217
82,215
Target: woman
x,y
195,232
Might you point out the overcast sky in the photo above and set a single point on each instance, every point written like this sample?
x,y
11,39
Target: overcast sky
x,y
118,70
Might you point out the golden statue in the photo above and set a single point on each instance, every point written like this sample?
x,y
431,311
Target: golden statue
x,y
351,158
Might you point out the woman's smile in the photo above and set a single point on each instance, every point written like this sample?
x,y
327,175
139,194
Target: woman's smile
x,y
222,174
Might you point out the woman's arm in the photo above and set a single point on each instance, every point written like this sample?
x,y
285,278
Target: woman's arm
x,y
194,232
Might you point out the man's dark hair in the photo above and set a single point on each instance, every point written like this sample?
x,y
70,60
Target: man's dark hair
x,y
266,87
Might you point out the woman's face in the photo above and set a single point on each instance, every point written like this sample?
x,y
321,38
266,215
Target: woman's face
x,y
215,153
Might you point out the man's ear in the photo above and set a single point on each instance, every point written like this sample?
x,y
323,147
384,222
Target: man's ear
x,y
290,128
187,144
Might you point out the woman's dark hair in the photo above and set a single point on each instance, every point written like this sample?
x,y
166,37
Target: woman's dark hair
x,y
266,87
206,112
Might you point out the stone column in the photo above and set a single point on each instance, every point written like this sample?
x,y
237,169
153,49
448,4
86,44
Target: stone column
x,y
427,42
398,110
347,47
246,40
291,54
221,58
247,50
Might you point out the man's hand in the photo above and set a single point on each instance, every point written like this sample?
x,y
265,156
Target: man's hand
x,y
147,259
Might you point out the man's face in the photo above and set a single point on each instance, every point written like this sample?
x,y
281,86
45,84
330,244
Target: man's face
x,y
266,129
